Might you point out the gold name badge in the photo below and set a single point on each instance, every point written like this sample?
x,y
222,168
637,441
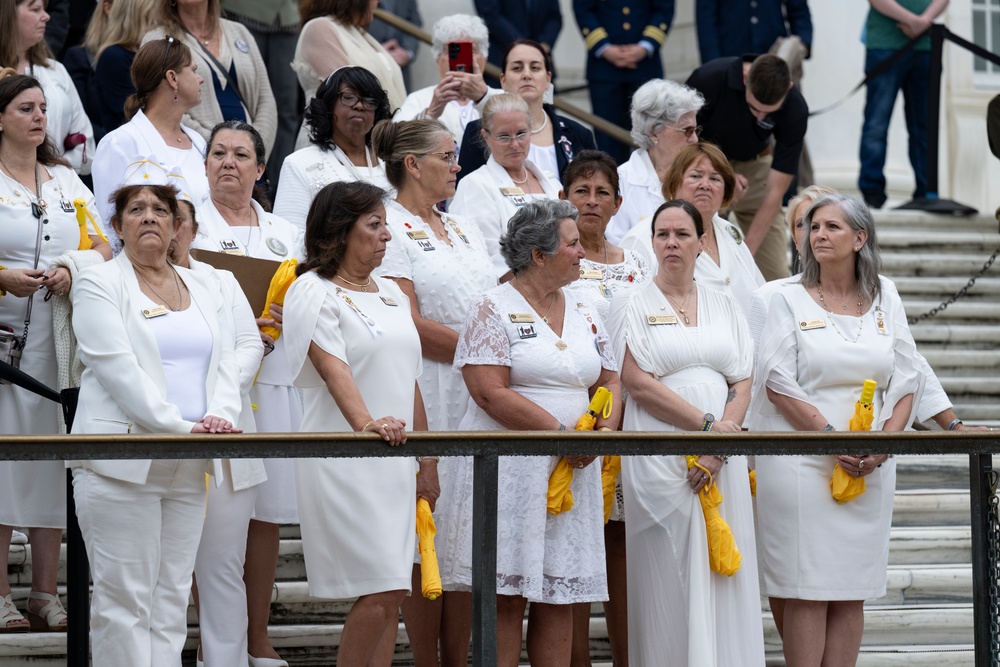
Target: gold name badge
x,y
806,325
388,300
512,192
661,319
591,274
417,235
521,318
156,311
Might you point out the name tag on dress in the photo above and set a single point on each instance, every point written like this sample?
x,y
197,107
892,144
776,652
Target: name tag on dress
x,y
230,247
521,318
388,300
417,235
591,274
155,311
807,325
654,320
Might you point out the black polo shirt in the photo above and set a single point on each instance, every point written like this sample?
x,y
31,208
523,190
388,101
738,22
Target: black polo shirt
x,y
729,124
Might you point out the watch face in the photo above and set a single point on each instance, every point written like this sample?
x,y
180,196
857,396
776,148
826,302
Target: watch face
x,y
709,417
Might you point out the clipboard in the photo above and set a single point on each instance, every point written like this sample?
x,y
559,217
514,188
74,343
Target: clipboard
x,y
254,275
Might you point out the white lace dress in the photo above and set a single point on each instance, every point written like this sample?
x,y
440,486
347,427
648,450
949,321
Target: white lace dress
x,y
555,559
676,605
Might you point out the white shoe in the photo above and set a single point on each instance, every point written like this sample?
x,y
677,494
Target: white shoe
x,y
266,662
17,537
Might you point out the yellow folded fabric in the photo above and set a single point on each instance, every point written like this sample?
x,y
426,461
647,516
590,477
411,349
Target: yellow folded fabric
x,y
843,487
753,483
430,574
83,216
723,554
609,482
280,282
560,496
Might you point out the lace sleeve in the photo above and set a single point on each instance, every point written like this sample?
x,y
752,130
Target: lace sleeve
x,y
484,340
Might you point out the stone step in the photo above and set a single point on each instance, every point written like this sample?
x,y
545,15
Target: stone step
x,y
890,219
957,655
935,625
987,286
939,545
925,507
946,471
932,264
965,385
983,411
932,334
953,359
907,240
985,311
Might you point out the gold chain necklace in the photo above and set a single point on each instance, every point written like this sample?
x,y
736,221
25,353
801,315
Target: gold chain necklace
x,y
180,295
363,286
545,316
682,309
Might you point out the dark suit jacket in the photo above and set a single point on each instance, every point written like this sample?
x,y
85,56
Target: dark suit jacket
x,y
571,138
508,20
607,22
733,27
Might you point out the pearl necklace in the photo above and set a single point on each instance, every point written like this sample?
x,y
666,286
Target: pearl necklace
x,y
861,326
545,122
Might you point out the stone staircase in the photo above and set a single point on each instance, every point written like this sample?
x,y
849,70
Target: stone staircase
x,y
925,617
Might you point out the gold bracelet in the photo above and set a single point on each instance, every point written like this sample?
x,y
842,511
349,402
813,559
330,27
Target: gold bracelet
x,y
3,292
365,427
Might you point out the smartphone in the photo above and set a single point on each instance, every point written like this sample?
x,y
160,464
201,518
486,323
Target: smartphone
x,y
460,56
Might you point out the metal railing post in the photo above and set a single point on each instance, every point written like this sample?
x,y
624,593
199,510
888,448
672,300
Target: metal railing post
x,y
980,465
77,586
484,560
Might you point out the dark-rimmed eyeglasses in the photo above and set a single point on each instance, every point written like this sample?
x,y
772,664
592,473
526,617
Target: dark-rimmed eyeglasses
x,y
351,100
170,43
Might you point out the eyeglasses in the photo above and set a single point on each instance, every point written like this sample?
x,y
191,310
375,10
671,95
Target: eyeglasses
x,y
450,158
170,43
350,100
688,131
505,139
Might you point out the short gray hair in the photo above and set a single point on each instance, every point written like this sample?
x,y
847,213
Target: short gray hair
x,y
457,27
657,103
868,262
500,104
535,226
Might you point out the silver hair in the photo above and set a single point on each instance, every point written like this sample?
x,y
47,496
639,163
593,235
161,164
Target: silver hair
x,y
535,226
457,27
500,104
657,103
868,262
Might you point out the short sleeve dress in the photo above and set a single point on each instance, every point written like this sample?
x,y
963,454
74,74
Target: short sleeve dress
x,y
811,547
358,516
676,605
555,559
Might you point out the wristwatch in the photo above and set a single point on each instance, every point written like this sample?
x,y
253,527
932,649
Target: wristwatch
x,y
709,420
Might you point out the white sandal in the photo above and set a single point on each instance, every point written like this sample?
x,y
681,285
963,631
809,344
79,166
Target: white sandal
x,y
50,618
9,614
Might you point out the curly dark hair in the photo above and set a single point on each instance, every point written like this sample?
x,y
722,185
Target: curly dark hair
x,y
332,216
590,162
10,87
319,112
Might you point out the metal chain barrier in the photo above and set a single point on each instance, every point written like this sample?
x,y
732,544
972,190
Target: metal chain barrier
x,y
957,295
993,540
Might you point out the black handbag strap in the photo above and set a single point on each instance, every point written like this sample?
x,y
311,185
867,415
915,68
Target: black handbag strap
x,y
225,72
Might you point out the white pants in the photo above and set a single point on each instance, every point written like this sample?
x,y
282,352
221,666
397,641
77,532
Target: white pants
x,y
141,540
222,595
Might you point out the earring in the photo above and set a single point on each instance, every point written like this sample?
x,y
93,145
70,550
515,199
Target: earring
x,y
655,141
175,97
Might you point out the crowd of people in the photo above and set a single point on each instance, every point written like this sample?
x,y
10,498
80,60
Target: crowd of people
x,y
504,300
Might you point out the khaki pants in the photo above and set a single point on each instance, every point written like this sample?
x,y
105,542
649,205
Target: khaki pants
x,y
772,255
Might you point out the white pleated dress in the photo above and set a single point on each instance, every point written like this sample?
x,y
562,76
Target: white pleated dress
x,y
555,559
811,547
680,613
358,516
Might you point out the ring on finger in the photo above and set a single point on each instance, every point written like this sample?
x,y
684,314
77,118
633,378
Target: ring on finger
x,y
383,427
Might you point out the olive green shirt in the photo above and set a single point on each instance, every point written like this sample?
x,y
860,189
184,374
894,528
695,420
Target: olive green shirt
x,y
265,11
882,32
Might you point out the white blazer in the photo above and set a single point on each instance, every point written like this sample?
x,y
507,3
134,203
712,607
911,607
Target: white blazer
x,y
123,388
481,197
642,194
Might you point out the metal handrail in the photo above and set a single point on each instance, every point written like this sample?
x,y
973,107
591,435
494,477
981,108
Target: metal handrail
x,y
597,122
486,448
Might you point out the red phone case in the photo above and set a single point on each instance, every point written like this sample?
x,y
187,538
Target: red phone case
x,y
460,56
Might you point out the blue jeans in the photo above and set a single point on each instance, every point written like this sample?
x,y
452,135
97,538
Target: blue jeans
x,y
911,74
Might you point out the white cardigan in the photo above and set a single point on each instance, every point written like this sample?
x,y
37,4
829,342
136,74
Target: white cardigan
x,y
123,388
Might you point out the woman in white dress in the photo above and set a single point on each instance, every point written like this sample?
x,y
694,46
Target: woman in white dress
x,y
494,192
823,337
167,85
439,260
532,355
355,352
590,183
339,118
158,347
664,120
687,356
36,189
702,175
68,125
334,35
232,221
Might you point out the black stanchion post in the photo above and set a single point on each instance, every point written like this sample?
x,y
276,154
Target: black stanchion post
x,y
77,586
980,465
484,560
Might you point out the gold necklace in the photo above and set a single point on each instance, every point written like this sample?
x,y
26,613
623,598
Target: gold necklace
x,y
180,294
682,309
861,326
363,286
552,300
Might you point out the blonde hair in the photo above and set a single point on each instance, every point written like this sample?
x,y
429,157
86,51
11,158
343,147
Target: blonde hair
x,y
810,194
168,18
128,21
96,30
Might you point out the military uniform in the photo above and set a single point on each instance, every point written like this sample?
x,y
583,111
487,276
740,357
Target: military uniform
x,y
621,22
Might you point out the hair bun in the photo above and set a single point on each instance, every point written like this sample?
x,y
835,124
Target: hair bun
x,y
384,138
